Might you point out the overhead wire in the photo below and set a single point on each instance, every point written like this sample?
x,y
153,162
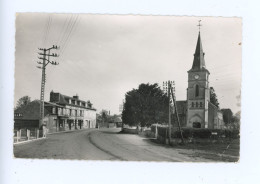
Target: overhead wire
x,y
64,31
69,35
46,32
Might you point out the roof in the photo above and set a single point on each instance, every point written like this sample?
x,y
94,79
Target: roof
x,y
64,100
31,111
198,61
52,104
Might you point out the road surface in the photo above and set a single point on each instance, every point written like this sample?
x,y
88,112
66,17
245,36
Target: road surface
x,y
102,144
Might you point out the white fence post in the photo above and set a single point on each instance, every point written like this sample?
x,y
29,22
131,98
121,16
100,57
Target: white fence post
x,y
20,134
17,136
37,134
28,134
156,131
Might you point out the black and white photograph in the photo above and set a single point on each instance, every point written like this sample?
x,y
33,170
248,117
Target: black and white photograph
x,y
127,87
132,92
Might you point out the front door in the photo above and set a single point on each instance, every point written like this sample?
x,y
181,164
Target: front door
x,y
196,125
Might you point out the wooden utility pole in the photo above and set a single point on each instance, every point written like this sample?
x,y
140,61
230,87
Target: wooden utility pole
x,y
44,63
166,88
176,112
169,95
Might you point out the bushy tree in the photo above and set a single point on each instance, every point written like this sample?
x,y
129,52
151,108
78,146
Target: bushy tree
x,y
230,119
145,106
227,116
213,97
23,101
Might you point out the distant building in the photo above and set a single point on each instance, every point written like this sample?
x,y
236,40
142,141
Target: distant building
x,y
198,111
60,114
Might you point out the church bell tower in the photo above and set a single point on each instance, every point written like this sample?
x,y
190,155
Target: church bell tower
x,y
198,91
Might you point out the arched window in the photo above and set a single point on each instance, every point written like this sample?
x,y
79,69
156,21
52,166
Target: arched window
x,y
196,90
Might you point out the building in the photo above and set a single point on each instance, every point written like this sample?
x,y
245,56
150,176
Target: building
x,y
72,113
28,116
198,111
60,114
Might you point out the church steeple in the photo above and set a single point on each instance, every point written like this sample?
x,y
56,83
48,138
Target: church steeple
x,y
198,61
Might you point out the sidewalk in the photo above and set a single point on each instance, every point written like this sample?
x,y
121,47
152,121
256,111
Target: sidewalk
x,y
66,131
28,141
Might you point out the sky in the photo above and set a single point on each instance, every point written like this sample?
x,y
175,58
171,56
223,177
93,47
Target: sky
x,y
101,57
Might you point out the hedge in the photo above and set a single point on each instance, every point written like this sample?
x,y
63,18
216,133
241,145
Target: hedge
x,y
201,133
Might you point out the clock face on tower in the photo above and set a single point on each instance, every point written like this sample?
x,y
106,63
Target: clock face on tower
x,y
196,76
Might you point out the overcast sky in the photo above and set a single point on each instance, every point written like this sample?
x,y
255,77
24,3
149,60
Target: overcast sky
x,y
104,56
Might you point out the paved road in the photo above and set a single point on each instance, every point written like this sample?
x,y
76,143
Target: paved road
x,y
103,144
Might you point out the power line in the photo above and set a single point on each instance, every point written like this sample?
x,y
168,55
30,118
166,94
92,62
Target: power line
x,y
62,30
44,30
69,35
64,33
48,30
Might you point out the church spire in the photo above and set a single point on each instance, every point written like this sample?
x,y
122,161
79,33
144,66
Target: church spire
x,y
198,61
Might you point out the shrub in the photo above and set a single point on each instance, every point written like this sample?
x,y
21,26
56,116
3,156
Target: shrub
x,y
201,133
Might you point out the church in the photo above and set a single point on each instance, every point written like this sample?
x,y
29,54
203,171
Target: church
x,y
197,111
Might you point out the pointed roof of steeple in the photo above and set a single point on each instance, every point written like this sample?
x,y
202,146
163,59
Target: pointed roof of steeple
x,y
198,61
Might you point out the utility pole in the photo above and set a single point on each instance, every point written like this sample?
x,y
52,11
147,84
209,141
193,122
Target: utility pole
x,y
166,88
43,56
176,110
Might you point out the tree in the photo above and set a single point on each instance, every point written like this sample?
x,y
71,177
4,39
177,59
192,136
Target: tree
x,y
213,97
145,106
236,120
23,101
230,119
227,116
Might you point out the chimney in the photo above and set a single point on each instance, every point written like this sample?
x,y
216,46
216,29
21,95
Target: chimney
x,y
76,97
54,97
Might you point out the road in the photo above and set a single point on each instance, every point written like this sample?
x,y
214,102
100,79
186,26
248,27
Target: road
x,y
102,144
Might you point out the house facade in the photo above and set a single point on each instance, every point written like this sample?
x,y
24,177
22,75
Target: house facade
x,y
60,114
71,112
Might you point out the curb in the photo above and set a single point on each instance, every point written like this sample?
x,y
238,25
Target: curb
x,y
28,141
78,130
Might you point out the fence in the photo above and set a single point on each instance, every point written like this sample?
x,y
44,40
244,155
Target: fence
x,y
27,134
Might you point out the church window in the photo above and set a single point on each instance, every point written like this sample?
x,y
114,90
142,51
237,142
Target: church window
x,y
197,104
196,90
192,104
201,104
